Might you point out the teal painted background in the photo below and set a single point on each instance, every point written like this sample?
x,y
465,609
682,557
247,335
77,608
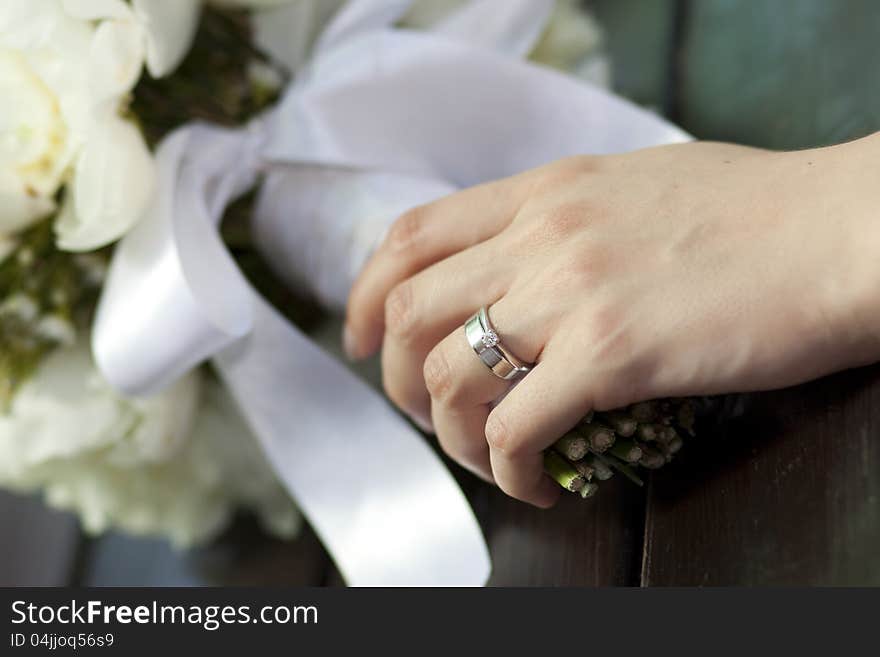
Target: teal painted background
x,y
782,74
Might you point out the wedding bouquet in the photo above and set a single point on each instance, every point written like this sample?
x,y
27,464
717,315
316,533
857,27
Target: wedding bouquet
x,y
90,88
643,435
80,81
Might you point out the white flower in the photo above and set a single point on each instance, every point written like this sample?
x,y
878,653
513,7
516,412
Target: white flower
x,y
424,14
287,29
258,4
572,40
66,70
7,244
21,306
177,464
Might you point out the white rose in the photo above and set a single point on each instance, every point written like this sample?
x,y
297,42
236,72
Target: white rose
x,y
178,464
68,66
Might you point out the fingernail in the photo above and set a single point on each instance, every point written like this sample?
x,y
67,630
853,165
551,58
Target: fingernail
x,y
349,344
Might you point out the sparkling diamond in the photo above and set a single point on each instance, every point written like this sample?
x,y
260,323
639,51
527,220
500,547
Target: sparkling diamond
x,y
490,338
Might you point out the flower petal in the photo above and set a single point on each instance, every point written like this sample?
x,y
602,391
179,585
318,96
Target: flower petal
x,y
7,246
170,27
288,32
93,10
112,185
18,208
116,59
254,4
28,23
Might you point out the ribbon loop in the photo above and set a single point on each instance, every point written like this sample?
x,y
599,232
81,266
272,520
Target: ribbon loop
x,y
173,296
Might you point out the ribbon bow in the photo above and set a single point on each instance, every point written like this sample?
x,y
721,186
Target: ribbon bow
x,y
392,116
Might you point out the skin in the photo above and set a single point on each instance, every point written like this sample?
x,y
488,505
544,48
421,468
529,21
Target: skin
x,y
690,269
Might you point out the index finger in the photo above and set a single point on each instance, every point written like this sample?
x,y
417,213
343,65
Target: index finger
x,y
419,238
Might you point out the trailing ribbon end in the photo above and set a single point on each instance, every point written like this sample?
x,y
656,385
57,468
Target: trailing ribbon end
x,y
392,514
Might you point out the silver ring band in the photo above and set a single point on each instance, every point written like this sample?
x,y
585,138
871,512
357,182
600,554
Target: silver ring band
x,y
487,346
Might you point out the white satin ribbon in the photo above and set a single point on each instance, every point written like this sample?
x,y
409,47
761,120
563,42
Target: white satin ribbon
x,y
381,115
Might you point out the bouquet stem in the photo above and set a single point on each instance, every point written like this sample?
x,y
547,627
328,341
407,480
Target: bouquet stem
x,y
643,435
563,472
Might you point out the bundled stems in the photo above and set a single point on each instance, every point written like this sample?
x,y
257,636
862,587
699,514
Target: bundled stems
x,y
643,435
623,468
624,425
590,488
651,458
572,446
563,472
601,470
599,437
627,451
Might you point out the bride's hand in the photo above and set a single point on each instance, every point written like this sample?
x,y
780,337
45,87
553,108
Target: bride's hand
x,y
690,269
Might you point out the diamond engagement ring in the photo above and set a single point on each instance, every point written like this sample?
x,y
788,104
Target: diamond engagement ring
x,y
486,344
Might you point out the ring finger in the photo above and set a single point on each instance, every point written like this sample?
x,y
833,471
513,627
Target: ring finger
x,y
463,388
428,306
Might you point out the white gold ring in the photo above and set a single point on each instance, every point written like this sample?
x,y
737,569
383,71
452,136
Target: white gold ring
x,y
486,344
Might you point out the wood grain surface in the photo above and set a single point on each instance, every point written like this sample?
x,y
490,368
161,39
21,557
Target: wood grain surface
x,y
786,494
595,542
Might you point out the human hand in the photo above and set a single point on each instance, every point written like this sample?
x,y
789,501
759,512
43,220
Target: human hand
x,y
690,269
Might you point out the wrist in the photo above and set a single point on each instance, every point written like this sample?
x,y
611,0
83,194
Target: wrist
x,y
849,195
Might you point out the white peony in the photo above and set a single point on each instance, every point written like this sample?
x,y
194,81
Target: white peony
x,y
66,70
177,464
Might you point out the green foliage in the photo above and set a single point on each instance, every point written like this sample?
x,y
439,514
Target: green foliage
x,y
46,295
212,84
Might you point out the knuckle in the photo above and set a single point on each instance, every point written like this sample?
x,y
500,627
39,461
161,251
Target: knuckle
x,y
561,222
438,376
550,227
406,231
562,173
400,319
580,267
500,437
577,165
